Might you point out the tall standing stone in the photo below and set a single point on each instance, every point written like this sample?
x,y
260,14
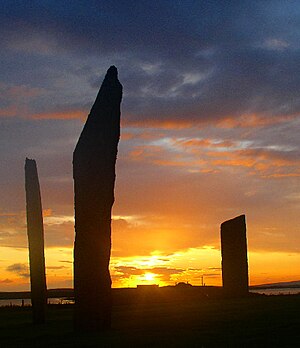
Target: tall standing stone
x,y
234,257
94,162
35,231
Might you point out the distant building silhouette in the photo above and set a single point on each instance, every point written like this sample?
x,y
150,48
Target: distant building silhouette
x,y
234,257
183,285
147,286
94,162
35,231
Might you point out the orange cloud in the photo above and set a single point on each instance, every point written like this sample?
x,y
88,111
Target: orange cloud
x,y
19,91
157,123
126,136
253,120
204,143
210,155
8,111
267,163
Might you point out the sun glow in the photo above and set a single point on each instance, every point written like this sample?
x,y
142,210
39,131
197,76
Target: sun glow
x,y
149,276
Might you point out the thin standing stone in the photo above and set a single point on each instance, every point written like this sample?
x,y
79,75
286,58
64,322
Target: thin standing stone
x,y
35,231
94,175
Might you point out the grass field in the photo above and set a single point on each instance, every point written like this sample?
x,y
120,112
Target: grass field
x,y
262,321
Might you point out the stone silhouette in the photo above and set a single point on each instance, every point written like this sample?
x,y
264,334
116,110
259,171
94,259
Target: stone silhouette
x,y
94,162
234,257
35,231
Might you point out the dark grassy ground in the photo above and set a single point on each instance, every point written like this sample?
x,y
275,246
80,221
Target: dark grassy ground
x,y
263,321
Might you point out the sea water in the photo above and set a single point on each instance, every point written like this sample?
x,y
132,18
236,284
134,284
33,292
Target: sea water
x,y
27,302
277,291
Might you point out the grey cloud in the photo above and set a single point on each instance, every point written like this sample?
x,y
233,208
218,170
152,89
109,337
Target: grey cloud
x,y
56,267
13,229
20,269
119,225
230,44
51,143
59,235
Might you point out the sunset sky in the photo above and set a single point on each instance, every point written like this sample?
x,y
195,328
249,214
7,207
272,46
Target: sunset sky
x,y
210,130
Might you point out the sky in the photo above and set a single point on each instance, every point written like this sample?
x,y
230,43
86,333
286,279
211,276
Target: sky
x,y
210,130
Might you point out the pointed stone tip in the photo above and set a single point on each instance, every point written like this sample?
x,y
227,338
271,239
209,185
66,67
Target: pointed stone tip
x,y
30,162
112,73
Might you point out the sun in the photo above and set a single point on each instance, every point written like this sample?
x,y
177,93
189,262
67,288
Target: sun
x,y
149,276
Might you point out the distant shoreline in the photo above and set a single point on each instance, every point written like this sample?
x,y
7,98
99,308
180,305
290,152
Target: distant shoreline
x,y
213,291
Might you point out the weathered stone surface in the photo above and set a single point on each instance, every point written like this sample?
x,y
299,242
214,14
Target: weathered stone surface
x,y
35,231
94,162
234,257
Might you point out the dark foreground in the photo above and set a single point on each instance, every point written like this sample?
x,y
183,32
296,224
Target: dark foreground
x,y
258,321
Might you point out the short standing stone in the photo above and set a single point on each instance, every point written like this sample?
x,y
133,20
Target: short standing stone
x,y
234,257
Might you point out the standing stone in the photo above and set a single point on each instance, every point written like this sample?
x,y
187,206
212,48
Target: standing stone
x,y
234,257
35,231
94,162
